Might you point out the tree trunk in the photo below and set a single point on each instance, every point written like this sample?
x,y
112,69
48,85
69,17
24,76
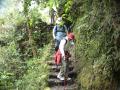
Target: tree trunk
x,y
31,41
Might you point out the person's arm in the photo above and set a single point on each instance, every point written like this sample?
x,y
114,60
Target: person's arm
x,y
54,32
61,47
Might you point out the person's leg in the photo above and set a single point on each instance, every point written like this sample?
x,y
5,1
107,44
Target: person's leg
x,y
63,69
51,19
66,70
61,73
57,42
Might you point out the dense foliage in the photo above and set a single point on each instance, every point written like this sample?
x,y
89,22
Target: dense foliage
x,y
37,72
97,44
96,26
23,36
25,43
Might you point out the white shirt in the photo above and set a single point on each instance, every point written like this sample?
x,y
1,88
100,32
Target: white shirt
x,y
62,46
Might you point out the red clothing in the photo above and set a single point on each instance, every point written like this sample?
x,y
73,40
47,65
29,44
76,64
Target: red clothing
x,y
58,56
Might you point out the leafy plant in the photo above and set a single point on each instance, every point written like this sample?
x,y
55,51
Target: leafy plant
x,y
37,73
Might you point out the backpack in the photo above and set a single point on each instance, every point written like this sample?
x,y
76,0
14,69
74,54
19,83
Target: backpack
x,y
58,56
60,29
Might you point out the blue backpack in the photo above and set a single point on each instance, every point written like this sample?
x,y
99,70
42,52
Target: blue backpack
x,y
60,28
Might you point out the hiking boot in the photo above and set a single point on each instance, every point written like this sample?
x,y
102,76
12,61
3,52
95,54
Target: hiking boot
x,y
68,78
60,77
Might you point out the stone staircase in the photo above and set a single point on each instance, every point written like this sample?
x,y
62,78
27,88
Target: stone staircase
x,y
55,83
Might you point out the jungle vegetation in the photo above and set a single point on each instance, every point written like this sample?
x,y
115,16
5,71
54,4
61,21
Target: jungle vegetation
x,y
26,42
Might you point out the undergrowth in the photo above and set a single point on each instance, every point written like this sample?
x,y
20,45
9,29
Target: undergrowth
x,y
37,73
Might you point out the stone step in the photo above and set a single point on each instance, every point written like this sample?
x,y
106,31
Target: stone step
x,y
67,87
71,74
51,62
55,68
53,75
56,82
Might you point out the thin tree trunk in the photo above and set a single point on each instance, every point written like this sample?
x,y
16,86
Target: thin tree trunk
x,y
31,41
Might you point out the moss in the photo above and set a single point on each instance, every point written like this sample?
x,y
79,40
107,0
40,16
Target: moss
x,y
95,44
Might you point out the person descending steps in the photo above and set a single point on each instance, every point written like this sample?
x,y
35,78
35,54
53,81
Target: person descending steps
x,y
62,56
63,76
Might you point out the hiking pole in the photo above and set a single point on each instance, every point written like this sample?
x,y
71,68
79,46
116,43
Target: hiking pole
x,y
65,82
66,76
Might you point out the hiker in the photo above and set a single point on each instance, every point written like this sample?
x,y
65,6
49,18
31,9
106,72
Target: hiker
x,y
52,14
59,32
65,44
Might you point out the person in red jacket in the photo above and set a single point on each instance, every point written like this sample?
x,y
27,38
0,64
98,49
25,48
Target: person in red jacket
x,y
65,45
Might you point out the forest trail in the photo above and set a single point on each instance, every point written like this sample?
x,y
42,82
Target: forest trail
x,y
54,83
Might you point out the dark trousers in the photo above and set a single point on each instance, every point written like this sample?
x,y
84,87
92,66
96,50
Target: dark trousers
x,y
57,42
